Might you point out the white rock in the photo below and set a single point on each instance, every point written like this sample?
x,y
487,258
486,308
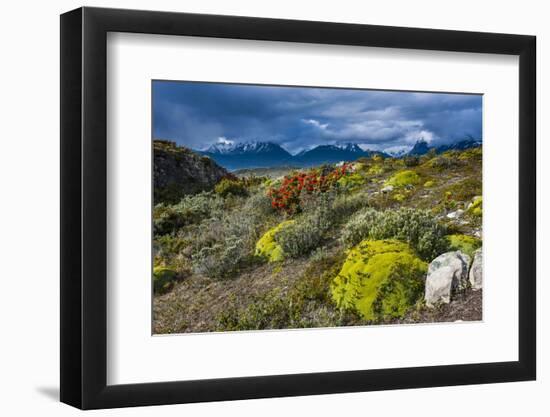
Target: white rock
x,y
455,214
476,271
387,189
447,274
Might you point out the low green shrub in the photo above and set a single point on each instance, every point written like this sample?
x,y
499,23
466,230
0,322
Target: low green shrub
x,y
221,260
345,205
416,227
303,235
380,279
163,279
258,205
229,186
190,210
310,229
222,246
359,226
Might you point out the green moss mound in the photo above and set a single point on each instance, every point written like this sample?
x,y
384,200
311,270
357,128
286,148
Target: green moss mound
x,y
403,179
380,279
267,247
429,184
464,243
476,208
163,278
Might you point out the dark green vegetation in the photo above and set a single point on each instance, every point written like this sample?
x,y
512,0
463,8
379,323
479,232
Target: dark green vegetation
x,y
328,246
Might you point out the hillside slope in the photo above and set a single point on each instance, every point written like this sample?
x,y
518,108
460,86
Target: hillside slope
x,y
178,171
275,253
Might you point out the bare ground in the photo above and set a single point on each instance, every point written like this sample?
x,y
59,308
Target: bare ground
x,y
464,307
194,304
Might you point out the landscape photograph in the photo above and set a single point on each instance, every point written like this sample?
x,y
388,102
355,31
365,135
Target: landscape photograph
x,y
292,207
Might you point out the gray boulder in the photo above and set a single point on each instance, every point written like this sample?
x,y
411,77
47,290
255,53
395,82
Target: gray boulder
x,y
387,189
447,274
476,271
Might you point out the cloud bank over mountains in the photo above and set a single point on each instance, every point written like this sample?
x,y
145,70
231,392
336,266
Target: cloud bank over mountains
x,y
198,115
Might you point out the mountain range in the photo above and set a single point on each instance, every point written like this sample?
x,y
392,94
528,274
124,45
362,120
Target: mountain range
x,y
269,154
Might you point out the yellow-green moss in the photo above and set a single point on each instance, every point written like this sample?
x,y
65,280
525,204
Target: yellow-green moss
x,y
163,278
380,279
476,208
267,247
429,184
403,178
464,243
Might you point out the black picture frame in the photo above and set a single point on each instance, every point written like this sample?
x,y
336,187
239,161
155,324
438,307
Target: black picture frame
x,y
84,207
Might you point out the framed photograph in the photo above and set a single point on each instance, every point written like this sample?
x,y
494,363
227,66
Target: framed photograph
x,y
257,208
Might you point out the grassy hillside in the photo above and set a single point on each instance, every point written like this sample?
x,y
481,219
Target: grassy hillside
x,y
264,253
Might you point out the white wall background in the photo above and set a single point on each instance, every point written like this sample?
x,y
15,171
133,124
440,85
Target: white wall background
x,y
29,225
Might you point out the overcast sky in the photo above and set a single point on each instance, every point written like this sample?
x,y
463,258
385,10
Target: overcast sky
x,y
198,115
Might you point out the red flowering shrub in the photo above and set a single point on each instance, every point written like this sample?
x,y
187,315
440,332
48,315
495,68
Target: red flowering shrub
x,y
287,197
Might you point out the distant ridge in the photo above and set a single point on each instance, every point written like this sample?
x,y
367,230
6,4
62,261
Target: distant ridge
x,y
328,154
249,155
421,147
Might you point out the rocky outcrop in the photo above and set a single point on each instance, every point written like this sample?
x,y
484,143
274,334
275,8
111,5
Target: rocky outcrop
x,y
476,271
178,171
447,274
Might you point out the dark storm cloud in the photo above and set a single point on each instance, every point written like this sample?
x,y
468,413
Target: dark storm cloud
x,y
200,114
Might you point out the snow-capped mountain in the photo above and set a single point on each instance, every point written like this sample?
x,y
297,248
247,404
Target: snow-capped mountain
x,y
245,147
258,154
248,155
